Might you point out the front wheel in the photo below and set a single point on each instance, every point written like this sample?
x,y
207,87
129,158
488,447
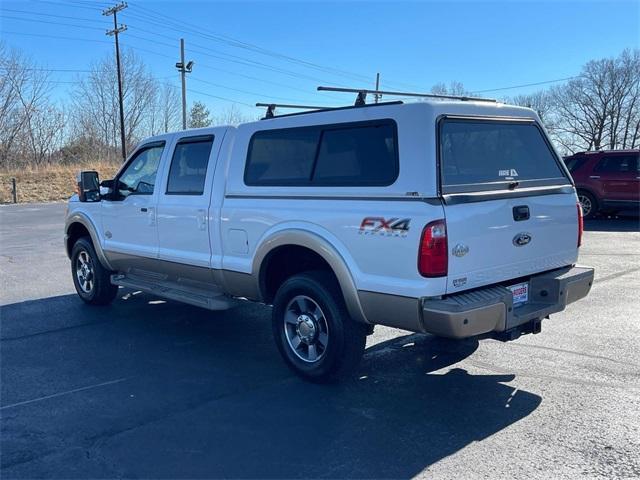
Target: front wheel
x,y
313,330
91,279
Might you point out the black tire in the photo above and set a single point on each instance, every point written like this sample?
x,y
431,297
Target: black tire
x,y
344,341
96,289
589,204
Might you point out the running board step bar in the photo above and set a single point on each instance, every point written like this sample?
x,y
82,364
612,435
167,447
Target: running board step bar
x,y
209,299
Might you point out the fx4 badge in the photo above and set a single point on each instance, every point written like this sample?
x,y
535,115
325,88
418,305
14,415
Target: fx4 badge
x,y
392,227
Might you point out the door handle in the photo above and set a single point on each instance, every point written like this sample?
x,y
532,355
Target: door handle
x,y
521,213
143,209
594,176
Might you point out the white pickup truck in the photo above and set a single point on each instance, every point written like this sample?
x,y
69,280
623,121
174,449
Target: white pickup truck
x,y
455,218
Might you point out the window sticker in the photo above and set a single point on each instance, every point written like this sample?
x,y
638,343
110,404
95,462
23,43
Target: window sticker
x,y
509,172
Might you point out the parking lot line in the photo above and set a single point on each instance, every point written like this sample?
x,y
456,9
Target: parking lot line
x,y
75,390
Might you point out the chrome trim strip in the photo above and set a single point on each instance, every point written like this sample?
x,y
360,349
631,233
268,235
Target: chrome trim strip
x,y
429,200
458,198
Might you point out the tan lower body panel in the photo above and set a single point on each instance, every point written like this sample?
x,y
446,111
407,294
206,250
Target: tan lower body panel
x,y
235,284
391,310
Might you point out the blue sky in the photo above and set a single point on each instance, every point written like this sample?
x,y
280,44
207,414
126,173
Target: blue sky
x,y
485,45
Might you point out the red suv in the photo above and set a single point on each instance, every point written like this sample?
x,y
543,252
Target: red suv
x,y
606,180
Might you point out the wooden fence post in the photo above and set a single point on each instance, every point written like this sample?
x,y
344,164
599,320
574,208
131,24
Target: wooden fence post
x,y
14,190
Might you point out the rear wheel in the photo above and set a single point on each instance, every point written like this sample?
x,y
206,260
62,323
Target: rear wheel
x,y
313,330
589,205
91,279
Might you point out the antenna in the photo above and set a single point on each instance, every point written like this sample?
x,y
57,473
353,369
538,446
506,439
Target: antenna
x,y
271,108
362,95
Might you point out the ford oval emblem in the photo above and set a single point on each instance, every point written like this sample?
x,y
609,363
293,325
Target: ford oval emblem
x,y
521,239
460,250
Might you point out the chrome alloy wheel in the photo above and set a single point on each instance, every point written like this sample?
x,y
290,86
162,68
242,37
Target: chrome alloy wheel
x,y
306,329
84,271
586,204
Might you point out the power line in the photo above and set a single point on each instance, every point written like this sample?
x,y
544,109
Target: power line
x,y
234,59
245,45
230,72
152,52
52,15
180,25
39,69
97,8
159,54
240,90
247,63
527,85
37,20
240,61
59,37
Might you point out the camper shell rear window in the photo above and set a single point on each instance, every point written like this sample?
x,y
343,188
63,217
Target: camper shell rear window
x,y
478,154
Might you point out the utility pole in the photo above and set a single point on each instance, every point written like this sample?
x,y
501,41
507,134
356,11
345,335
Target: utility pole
x,y
184,69
116,30
377,96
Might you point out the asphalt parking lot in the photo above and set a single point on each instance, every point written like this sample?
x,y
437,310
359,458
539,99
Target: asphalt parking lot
x,y
155,389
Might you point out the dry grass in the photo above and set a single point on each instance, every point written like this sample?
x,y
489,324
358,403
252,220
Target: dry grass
x,y
50,183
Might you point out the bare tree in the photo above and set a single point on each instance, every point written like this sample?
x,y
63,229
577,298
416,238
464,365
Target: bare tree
x,y
96,102
170,108
540,101
601,108
30,125
232,116
624,83
454,88
45,133
13,72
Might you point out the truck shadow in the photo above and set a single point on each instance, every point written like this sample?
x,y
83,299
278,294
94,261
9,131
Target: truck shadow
x,y
204,394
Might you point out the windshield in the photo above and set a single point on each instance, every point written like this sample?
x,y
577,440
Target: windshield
x,y
489,154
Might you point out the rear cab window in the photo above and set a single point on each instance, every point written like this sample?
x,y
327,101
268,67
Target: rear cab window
x,y
486,154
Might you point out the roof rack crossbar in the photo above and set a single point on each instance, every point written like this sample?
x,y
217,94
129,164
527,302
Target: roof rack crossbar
x,y
362,94
271,107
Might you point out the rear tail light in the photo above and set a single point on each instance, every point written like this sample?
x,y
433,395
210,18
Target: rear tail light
x,y
433,258
580,224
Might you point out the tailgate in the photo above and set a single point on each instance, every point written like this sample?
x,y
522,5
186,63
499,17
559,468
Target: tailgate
x,y
488,245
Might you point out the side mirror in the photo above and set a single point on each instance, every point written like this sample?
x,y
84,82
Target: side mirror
x,y
88,186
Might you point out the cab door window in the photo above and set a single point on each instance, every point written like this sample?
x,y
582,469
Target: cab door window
x,y
139,177
189,166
